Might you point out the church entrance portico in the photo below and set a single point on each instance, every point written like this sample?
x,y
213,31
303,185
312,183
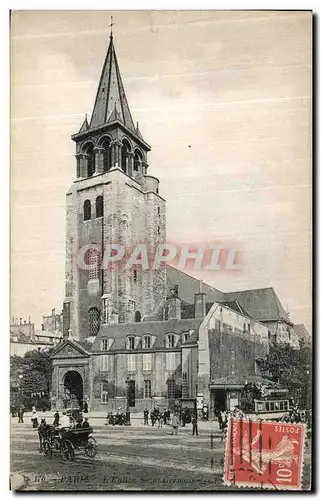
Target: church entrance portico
x,y
71,377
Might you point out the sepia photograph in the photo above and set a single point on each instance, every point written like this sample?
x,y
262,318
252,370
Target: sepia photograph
x,y
161,250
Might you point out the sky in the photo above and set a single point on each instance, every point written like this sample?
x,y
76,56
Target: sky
x,y
224,100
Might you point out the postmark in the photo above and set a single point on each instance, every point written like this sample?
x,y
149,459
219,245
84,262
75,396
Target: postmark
x,y
263,454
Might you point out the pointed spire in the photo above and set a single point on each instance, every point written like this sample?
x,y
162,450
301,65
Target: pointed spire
x,y
110,94
138,131
85,125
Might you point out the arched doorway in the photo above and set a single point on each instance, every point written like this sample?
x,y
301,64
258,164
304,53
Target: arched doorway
x,y
73,389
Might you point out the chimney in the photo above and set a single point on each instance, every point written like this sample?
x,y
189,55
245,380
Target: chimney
x,y
200,305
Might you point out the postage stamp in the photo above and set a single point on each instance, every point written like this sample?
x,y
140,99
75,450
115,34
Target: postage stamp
x,y
264,454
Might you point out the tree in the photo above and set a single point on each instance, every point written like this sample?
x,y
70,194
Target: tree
x,y
291,368
30,378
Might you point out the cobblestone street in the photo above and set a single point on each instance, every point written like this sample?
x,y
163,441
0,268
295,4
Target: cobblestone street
x,y
128,458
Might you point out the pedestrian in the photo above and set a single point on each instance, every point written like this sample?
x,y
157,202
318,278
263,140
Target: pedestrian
x,y
34,420
85,406
20,413
146,416
175,424
152,417
86,423
64,421
194,425
41,432
164,416
56,418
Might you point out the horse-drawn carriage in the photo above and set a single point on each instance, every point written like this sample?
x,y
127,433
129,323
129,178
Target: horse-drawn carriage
x,y
65,442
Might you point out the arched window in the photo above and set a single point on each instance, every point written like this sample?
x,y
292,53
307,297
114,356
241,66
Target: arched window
x,y
93,321
107,155
137,161
87,210
125,155
170,340
137,317
90,160
99,206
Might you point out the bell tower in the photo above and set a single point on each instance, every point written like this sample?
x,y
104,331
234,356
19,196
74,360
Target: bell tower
x,y
114,200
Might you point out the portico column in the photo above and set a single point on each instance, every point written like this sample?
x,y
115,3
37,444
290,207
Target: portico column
x,y
99,160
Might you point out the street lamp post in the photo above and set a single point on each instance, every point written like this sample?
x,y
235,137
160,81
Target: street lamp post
x,y
20,409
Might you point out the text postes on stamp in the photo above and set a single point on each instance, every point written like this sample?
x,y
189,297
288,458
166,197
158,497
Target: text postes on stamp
x,y
264,454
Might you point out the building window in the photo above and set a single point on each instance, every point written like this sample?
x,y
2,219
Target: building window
x,y
135,275
99,207
147,342
158,210
94,264
248,328
147,362
105,311
104,344
104,362
171,361
130,342
87,210
93,321
170,340
131,363
186,337
147,389
104,392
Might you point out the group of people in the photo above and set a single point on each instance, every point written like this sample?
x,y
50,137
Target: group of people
x,y
157,417
120,417
178,419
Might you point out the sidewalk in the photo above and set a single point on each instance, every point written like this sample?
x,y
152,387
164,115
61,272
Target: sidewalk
x,y
98,419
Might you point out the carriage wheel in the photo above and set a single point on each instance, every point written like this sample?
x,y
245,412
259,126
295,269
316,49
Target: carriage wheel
x,y
47,449
67,450
91,447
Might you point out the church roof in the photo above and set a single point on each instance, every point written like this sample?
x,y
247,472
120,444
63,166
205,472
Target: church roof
x,y
110,97
261,303
301,332
188,286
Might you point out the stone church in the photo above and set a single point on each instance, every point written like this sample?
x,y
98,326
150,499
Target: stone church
x,y
143,337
